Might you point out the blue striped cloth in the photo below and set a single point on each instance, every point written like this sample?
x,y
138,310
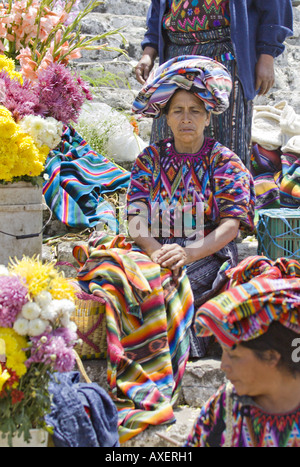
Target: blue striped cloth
x,y
77,177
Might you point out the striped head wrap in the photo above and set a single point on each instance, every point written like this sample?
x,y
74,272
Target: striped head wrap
x,y
206,78
246,311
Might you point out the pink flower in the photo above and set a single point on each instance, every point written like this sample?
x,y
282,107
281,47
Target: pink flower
x,y
61,93
13,295
28,66
20,99
55,349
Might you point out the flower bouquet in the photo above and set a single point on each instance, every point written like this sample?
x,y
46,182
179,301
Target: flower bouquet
x,y
37,338
43,95
32,115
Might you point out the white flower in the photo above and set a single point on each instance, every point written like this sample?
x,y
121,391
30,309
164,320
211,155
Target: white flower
x,y
31,310
36,327
64,307
44,131
3,270
43,299
72,326
49,312
21,326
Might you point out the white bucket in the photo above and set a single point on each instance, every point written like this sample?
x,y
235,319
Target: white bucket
x,y
39,439
21,221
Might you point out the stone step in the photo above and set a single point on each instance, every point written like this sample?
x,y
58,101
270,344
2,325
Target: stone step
x,y
121,7
200,381
116,74
132,29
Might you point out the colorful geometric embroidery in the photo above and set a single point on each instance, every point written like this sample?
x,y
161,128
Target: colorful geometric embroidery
x,y
196,15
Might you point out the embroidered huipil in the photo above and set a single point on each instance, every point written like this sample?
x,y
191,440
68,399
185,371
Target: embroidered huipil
x,y
196,15
249,425
213,184
256,27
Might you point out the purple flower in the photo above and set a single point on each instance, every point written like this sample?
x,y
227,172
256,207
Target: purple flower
x,y
20,99
61,93
13,295
69,336
55,349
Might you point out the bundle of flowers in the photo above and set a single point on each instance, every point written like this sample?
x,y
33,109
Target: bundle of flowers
x,y
32,115
40,32
37,338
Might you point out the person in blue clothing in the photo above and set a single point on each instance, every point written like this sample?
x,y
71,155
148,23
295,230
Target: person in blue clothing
x,y
244,35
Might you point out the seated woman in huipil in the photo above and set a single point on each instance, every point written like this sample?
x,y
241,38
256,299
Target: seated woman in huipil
x,y
189,195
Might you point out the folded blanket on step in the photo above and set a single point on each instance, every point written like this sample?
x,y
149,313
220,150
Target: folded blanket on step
x,y
77,177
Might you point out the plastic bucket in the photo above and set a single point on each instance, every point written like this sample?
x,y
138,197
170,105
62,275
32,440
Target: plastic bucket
x,y
21,221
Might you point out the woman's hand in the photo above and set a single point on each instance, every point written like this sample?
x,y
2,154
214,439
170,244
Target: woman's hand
x,y
264,72
171,256
145,65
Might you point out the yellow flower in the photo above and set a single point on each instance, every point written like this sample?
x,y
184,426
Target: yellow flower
x,y
4,376
7,127
61,288
37,275
8,65
4,112
15,355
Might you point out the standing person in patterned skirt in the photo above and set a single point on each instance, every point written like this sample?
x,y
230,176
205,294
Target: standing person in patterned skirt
x,y
244,35
188,194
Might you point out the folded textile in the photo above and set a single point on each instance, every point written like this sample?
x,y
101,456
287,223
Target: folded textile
x,y
203,76
148,315
266,191
290,181
292,146
263,161
266,129
257,265
274,126
77,177
259,291
83,415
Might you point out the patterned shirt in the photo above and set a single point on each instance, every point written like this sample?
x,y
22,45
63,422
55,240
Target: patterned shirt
x,y
212,184
250,425
196,15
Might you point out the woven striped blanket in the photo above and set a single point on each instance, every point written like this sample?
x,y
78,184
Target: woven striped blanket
x,y
77,177
276,178
148,316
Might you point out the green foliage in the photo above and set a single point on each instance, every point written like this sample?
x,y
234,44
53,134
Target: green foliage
x,y
20,417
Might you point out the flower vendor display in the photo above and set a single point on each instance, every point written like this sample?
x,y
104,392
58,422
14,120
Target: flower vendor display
x,y
37,338
40,32
32,115
43,94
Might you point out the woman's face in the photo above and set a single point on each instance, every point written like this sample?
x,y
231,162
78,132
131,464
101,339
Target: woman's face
x,y
187,119
249,375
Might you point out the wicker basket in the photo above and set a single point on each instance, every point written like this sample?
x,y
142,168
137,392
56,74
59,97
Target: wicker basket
x,y
91,329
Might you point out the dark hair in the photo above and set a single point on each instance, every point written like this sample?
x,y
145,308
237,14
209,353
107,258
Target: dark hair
x,y
280,339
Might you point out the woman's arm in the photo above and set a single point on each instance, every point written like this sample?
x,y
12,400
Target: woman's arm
x,y
174,256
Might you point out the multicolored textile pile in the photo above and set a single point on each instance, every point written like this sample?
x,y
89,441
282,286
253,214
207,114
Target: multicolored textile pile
x,y
276,178
77,177
259,291
148,316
